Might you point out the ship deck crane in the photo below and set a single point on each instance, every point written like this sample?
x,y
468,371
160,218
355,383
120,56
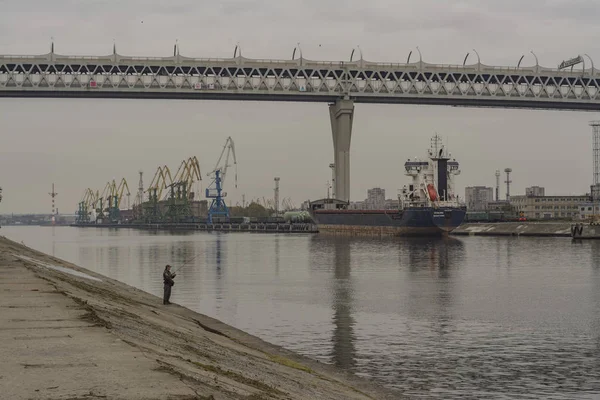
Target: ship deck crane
x,y
215,190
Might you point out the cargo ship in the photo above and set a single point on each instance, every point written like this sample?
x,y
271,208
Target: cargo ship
x,y
428,206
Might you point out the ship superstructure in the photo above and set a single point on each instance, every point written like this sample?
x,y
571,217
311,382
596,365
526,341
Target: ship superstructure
x,y
432,179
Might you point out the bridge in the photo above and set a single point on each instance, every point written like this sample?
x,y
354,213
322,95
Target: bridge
x,y
341,84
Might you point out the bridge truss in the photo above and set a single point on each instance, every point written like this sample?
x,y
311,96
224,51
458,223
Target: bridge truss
x,y
239,78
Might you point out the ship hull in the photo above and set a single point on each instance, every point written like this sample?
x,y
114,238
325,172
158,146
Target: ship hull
x,y
417,221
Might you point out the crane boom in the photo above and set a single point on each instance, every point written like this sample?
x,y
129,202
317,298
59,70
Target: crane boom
x,y
218,174
228,150
162,179
119,192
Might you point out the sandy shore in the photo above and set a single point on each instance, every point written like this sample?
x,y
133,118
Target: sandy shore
x,y
74,334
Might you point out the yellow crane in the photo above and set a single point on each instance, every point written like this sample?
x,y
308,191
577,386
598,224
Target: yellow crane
x,y
86,205
162,179
119,192
190,173
106,195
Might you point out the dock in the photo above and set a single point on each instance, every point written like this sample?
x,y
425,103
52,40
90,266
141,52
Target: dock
x,y
524,228
67,332
589,230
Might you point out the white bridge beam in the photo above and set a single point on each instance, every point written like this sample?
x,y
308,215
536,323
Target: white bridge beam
x,y
239,78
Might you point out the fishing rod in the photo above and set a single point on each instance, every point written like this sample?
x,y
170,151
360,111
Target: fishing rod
x,y
187,262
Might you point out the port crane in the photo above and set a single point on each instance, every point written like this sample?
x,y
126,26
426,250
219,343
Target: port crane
x,y
86,205
119,193
112,194
181,194
162,180
214,191
187,174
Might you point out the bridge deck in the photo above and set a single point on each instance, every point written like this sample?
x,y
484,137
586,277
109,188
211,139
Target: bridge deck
x,y
177,77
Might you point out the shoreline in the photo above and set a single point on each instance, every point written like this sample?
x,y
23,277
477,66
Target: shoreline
x,y
525,228
290,228
52,307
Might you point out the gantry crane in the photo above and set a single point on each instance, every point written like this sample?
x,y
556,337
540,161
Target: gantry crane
x,y
86,205
187,174
119,193
218,175
111,196
162,179
105,195
180,193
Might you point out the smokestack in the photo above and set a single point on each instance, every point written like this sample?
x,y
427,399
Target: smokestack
x,y
276,195
508,182
497,185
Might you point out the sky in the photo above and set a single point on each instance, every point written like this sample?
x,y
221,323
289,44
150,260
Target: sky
x,y
78,144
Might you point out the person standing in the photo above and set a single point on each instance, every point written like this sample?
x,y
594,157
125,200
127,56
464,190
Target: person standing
x,y
169,282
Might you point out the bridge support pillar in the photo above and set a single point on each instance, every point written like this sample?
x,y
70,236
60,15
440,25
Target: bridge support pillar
x,y
342,114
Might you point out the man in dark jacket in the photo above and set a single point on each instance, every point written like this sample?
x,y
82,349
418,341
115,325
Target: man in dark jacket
x,y
168,280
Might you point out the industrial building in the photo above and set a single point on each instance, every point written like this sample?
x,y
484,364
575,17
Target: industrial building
x,y
537,191
478,197
548,207
392,204
500,205
375,199
589,210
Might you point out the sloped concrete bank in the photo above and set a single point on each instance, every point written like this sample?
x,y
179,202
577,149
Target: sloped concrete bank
x,y
540,229
69,333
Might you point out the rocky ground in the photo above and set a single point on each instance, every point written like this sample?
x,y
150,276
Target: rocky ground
x,y
74,334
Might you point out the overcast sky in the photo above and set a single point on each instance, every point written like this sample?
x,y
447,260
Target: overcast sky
x,y
83,143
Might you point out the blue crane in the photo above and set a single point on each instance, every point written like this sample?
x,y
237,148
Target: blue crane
x,y
214,191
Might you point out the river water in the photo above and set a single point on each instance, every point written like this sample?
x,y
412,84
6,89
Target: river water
x,y
471,317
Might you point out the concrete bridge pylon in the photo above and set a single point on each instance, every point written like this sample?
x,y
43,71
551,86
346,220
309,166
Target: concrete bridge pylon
x,y
342,115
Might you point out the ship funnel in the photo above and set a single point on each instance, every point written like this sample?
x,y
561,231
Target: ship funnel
x,y
442,178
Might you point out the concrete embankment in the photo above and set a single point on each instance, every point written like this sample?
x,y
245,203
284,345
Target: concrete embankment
x,y
69,333
526,228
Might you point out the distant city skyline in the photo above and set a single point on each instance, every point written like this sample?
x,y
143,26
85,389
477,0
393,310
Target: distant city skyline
x,y
84,143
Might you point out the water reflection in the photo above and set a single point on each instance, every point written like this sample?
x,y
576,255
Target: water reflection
x,y
218,259
343,339
595,255
433,262
53,241
344,351
277,255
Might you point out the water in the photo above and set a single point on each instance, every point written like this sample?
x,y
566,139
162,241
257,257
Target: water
x,y
450,318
